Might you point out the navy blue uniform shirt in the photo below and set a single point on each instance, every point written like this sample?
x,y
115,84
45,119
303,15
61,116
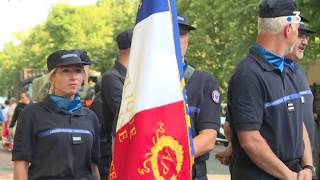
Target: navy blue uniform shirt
x,y
58,144
204,110
262,98
111,94
299,76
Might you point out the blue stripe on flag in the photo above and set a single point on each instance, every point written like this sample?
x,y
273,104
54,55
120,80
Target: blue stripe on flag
x,y
63,130
147,9
176,35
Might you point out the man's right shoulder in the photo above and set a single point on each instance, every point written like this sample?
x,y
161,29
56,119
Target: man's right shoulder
x,y
110,72
246,68
247,64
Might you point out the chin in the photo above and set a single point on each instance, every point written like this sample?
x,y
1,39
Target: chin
x,y
299,56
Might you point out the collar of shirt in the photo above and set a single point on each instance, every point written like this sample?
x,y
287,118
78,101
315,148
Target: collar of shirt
x,y
66,104
289,63
121,68
276,61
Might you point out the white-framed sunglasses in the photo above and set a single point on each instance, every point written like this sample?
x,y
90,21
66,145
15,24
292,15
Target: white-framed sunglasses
x,y
294,19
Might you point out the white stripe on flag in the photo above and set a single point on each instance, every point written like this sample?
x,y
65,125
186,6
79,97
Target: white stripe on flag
x,y
152,77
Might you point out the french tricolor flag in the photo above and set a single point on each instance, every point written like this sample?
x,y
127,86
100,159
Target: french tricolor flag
x,y
152,137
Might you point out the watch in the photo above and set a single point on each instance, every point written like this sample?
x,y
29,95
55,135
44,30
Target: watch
x,y
312,168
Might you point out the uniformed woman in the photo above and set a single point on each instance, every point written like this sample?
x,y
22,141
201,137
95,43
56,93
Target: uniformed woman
x,y
57,138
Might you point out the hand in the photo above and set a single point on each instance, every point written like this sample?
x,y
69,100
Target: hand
x,y
224,157
305,174
290,176
295,176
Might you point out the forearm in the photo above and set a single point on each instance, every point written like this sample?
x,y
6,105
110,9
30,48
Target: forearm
x,y
227,131
204,142
20,170
307,155
95,171
261,154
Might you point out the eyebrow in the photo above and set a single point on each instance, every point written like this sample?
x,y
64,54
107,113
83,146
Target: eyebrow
x,y
71,66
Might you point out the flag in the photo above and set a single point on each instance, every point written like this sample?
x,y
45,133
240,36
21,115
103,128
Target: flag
x,y
152,136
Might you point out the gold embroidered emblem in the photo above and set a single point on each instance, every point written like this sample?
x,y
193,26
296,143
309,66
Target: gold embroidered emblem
x,y
113,174
165,157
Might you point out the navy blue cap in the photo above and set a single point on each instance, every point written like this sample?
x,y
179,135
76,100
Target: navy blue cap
x,y
303,28
183,22
304,20
68,57
124,39
276,8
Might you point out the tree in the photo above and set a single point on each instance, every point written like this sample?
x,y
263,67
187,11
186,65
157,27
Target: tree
x,y
91,27
227,29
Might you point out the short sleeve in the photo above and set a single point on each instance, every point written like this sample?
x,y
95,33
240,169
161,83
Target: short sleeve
x,y
245,96
24,139
209,116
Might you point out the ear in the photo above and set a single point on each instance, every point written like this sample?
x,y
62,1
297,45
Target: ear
x,y
286,30
50,79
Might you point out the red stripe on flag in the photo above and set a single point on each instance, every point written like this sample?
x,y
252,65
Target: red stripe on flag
x,y
153,145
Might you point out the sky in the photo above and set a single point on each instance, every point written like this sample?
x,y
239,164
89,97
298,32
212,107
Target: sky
x,y
19,15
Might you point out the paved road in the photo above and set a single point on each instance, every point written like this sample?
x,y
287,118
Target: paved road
x,y
5,164
215,170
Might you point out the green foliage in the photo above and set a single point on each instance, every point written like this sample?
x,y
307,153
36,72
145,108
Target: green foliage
x,y
225,31
91,27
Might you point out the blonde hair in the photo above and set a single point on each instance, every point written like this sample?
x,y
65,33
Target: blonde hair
x,y
53,71
272,25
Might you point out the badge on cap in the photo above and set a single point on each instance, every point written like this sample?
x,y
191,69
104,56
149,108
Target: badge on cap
x,y
215,96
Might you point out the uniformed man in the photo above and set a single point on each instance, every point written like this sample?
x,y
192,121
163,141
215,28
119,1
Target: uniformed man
x,y
204,106
111,94
299,76
269,138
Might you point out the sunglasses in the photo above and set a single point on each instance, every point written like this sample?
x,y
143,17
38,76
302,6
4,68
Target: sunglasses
x,y
294,19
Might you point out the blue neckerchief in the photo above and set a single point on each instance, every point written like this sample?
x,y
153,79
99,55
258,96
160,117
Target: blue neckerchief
x,y
291,64
276,61
66,104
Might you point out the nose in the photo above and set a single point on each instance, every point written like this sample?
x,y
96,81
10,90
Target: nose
x,y
74,74
304,41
